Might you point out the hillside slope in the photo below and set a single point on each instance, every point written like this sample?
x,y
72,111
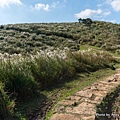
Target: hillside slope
x,y
32,37
40,60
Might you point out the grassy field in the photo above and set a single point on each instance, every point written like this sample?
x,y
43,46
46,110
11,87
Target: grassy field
x,y
47,62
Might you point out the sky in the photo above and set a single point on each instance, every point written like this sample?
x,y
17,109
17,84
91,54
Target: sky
x,y
42,11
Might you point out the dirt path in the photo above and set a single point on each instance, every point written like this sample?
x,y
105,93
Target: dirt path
x,y
82,105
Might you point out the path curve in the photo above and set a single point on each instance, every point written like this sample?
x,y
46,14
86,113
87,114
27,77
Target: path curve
x,y
82,105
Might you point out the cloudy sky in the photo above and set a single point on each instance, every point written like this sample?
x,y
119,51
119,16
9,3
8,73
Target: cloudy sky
x,y
24,11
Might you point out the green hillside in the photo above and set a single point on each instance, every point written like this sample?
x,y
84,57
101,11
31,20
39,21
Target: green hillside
x,y
22,38
39,61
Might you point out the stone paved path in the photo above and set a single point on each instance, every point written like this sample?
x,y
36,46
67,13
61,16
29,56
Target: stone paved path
x,y
82,105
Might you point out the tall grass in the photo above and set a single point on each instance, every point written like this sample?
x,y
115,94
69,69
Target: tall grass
x,y
6,105
23,77
50,70
17,78
88,60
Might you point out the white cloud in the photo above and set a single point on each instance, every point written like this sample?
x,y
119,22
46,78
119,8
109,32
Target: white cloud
x,y
4,3
41,6
46,7
88,13
106,13
55,4
113,21
99,5
115,4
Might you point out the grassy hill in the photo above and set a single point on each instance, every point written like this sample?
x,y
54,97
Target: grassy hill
x,y
35,57
23,38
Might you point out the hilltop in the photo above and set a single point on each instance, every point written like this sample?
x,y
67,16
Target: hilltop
x,y
32,37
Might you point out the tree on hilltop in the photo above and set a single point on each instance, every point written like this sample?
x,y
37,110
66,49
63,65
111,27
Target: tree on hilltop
x,y
87,21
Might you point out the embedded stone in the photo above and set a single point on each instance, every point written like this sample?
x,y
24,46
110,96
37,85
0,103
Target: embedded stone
x,y
64,117
89,118
66,102
74,98
86,94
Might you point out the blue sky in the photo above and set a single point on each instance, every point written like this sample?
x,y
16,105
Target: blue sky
x,y
32,11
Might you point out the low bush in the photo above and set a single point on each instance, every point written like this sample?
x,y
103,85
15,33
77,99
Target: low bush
x,y
48,71
85,61
17,78
6,105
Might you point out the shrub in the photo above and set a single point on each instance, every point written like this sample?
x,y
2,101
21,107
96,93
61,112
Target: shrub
x,y
6,105
85,61
38,44
48,71
1,38
18,78
2,27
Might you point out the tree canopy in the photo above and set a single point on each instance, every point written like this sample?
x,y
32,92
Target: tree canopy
x,y
85,21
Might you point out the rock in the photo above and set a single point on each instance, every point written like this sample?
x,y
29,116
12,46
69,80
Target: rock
x,y
64,117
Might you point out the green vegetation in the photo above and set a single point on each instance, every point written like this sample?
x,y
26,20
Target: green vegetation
x,y
82,80
115,108
6,106
29,38
25,77
37,57
106,105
